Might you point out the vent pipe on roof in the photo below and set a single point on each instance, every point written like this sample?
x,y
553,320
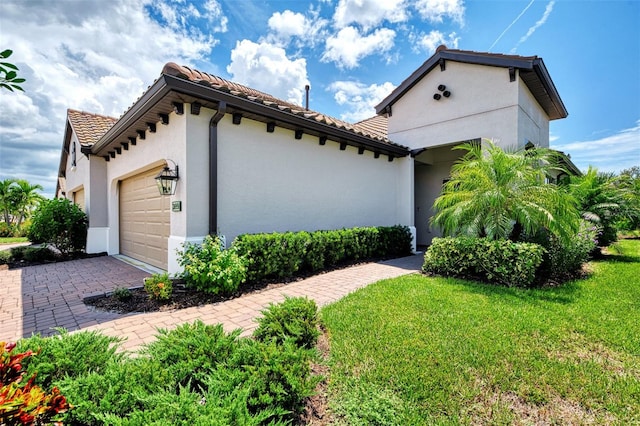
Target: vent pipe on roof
x,y
306,103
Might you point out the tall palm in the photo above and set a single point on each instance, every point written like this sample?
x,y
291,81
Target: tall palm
x,y
5,203
498,194
24,198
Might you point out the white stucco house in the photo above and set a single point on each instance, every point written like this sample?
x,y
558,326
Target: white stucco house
x,y
249,162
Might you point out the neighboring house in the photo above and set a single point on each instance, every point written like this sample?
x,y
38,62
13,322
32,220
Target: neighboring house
x,y
249,162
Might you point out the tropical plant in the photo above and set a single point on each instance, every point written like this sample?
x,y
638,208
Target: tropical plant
x,y
628,181
8,76
24,199
5,203
600,202
498,194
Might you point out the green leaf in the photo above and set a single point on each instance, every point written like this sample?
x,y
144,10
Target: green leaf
x,y
11,75
6,86
8,65
18,80
6,53
17,87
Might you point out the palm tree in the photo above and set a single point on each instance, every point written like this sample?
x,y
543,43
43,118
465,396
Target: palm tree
x,y
24,197
5,203
601,202
498,194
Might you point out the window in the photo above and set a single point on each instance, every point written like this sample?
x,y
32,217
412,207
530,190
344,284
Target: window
x,y
73,154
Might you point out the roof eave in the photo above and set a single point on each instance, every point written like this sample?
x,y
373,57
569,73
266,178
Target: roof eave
x,y
167,84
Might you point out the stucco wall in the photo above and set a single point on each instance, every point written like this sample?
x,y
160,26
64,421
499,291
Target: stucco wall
x,y
483,104
272,182
77,177
432,168
533,122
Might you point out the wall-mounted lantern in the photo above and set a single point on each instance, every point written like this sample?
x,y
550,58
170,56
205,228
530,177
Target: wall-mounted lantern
x,y
167,180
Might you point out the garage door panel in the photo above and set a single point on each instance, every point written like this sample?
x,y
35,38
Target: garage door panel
x,y
144,219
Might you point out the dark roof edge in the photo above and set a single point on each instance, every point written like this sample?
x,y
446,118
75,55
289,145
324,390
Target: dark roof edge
x,y
525,63
156,92
167,83
545,78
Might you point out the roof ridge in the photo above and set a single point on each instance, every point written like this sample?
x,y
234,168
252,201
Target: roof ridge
x,y
91,113
217,82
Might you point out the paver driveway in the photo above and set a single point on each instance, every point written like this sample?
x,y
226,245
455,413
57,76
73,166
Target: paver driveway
x,y
38,298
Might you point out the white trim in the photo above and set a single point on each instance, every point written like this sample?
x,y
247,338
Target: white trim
x,y
97,240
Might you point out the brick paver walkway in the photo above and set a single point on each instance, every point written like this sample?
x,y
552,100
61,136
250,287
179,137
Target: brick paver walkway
x,y
37,298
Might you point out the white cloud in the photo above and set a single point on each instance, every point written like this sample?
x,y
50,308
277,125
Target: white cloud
x,y
308,29
369,13
538,24
611,153
348,46
95,56
436,10
358,98
429,42
266,67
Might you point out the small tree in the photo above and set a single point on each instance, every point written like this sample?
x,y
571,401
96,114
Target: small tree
x,y
601,202
498,194
60,223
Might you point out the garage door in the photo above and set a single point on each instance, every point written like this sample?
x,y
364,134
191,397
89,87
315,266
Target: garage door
x,y
78,198
144,219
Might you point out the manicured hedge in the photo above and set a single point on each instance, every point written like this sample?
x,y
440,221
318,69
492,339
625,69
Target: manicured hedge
x,y
499,261
282,255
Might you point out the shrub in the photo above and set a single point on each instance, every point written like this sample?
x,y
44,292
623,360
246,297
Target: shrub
x,y
122,293
283,255
23,402
191,352
295,319
159,286
564,259
210,268
60,223
6,230
499,261
68,355
5,256
38,254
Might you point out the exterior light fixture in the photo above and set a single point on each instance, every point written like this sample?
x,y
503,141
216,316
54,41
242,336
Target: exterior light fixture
x,y
167,180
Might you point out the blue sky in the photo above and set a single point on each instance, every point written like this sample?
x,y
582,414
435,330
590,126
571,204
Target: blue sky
x,y
100,56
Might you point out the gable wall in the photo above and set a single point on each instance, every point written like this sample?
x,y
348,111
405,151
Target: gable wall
x,y
533,122
483,103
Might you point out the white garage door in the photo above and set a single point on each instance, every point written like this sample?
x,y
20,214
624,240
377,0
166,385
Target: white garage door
x,y
144,219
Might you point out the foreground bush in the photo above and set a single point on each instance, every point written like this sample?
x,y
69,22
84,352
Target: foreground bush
x,y
210,268
295,319
61,223
283,255
194,374
499,261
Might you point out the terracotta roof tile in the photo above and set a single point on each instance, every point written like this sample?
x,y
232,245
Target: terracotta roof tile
x,y
371,129
89,127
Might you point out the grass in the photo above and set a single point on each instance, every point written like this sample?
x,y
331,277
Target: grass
x,y
11,240
419,350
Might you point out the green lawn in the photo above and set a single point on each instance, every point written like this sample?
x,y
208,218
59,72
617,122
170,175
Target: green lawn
x,y
11,240
418,350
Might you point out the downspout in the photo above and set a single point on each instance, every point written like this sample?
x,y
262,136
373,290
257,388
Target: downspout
x,y
213,167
